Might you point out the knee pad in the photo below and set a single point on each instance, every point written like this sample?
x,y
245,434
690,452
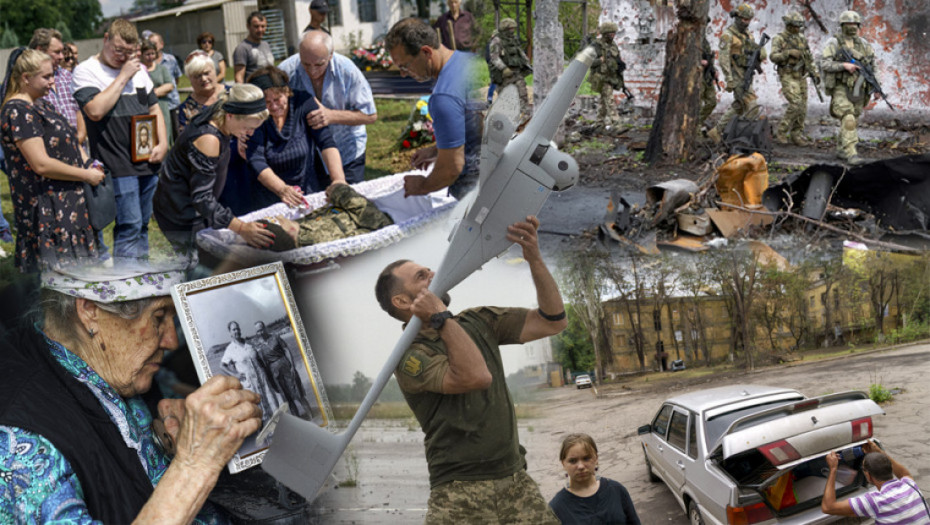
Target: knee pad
x,y
848,123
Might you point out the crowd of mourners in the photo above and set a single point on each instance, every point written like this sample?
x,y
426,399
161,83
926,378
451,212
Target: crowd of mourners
x,y
79,137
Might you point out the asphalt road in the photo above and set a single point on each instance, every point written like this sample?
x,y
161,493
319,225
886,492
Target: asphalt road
x,y
392,485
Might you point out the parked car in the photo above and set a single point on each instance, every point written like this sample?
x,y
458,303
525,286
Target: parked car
x,y
583,381
677,365
755,454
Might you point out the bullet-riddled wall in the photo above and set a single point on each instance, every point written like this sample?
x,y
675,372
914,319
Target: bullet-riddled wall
x,y
899,32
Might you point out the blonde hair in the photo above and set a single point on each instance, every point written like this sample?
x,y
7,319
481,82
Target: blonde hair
x,y
238,93
28,63
197,62
124,29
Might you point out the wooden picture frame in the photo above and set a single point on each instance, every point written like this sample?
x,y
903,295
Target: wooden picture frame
x,y
143,137
276,363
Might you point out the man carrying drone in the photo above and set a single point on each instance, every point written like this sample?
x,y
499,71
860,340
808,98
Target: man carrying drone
x,y
453,379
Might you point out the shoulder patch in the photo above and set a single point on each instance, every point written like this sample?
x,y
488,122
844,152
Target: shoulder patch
x,y
413,365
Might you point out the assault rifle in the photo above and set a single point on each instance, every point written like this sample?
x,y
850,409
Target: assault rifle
x,y
866,73
754,65
627,93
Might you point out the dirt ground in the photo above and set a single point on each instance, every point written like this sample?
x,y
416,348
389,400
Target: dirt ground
x,y
392,485
611,163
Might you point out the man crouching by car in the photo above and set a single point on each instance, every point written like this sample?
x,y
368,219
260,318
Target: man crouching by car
x,y
896,500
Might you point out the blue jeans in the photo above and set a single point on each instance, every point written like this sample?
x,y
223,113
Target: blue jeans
x,y
133,210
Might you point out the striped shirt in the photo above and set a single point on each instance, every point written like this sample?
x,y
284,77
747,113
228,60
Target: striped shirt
x,y
898,502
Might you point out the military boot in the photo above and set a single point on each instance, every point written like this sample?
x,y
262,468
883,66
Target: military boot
x,y
714,135
800,140
782,138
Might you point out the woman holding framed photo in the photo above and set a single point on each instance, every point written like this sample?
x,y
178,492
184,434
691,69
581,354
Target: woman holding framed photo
x,y
47,169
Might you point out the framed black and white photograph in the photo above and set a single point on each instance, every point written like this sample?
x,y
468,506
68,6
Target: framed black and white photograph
x,y
245,324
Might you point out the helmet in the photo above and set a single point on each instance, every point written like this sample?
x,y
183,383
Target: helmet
x,y
508,23
607,27
850,17
793,18
745,11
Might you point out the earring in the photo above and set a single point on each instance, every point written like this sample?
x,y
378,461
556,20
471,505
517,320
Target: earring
x,y
91,332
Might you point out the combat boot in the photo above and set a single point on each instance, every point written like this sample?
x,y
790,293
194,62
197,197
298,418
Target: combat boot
x,y
714,135
801,140
783,139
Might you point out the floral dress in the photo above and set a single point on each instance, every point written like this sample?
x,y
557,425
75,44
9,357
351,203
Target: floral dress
x,y
51,217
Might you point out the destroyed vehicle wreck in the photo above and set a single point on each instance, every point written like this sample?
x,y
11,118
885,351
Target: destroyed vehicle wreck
x,y
869,203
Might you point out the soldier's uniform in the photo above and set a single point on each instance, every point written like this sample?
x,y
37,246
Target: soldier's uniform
x,y
794,61
848,91
736,48
507,63
348,214
708,81
607,73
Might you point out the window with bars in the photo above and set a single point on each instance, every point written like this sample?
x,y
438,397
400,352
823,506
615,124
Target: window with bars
x,y
334,17
367,11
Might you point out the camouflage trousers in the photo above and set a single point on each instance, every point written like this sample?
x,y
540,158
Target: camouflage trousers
x,y
514,499
519,81
848,111
607,113
742,107
794,89
708,100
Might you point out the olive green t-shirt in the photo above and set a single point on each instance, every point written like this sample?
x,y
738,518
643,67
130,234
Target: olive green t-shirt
x,y
472,436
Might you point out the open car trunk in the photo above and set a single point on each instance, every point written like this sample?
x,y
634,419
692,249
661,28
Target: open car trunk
x,y
779,453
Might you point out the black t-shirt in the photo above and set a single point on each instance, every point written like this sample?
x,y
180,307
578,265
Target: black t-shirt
x,y
610,505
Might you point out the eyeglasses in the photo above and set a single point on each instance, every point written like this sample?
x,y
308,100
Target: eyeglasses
x,y
124,51
406,67
207,41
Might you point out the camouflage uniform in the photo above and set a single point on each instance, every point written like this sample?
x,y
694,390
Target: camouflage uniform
x,y
736,48
349,214
607,73
477,467
507,63
849,92
708,81
793,59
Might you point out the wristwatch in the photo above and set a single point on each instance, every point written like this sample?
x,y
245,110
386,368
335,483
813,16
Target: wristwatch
x,y
437,320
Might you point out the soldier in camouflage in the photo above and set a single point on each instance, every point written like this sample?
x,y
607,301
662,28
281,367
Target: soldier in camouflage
x,y
507,63
848,91
736,48
348,214
607,74
794,61
708,80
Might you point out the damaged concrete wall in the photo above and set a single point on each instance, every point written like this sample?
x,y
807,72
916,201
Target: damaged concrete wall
x,y
898,30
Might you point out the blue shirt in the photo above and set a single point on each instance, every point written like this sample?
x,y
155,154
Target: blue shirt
x,y
171,64
456,120
38,485
344,88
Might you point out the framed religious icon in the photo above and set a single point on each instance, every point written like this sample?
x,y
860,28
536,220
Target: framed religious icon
x,y
245,324
143,137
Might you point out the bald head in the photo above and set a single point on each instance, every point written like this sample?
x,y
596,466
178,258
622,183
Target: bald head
x,y
316,50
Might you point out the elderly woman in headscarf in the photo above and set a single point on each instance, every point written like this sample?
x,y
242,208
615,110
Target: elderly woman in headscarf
x,y
76,437
281,152
193,175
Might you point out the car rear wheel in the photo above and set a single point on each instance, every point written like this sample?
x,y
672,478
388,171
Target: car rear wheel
x,y
694,514
652,475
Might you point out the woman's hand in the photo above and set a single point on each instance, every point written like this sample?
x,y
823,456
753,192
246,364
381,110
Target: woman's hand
x,y
293,196
217,418
94,176
256,235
